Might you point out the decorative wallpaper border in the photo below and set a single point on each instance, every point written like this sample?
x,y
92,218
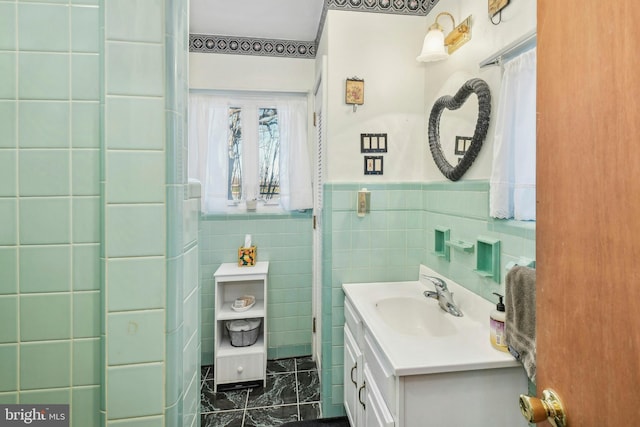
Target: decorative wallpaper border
x,y
403,7
302,49
251,46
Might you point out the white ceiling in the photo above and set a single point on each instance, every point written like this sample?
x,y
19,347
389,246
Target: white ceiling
x,y
269,19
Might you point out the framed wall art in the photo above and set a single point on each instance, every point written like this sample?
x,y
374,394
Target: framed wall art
x,y
354,92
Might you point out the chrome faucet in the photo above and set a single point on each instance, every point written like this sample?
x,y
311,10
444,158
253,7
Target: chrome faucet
x,y
442,294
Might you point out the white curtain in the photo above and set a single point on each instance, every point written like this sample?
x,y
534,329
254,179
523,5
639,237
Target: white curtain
x,y
295,166
513,177
209,148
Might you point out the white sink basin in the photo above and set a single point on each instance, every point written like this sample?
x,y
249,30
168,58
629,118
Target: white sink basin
x,y
413,316
417,336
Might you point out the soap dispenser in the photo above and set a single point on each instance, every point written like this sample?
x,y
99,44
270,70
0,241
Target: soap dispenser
x,y
497,326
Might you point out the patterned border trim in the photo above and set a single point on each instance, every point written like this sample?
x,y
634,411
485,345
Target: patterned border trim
x,y
251,46
404,7
302,49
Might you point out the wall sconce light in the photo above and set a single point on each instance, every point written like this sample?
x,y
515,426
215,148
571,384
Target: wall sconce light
x,y
437,47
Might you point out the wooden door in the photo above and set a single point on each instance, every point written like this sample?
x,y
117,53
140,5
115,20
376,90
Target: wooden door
x,y
588,227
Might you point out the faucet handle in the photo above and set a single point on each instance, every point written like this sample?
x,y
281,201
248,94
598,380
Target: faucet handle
x,y
437,282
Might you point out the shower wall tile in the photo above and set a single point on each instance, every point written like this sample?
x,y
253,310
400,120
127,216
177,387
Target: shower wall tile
x,y
8,367
135,337
86,267
136,283
45,1
43,76
8,319
7,26
7,124
135,390
86,368
85,124
136,176
45,269
86,219
43,27
86,406
45,220
156,421
85,73
37,362
84,22
45,317
8,225
86,314
85,180
8,398
44,173
7,75
140,21
8,270
39,75
43,124
135,123
55,396
134,69
135,230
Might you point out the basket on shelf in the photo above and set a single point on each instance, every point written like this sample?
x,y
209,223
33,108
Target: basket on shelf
x,y
243,332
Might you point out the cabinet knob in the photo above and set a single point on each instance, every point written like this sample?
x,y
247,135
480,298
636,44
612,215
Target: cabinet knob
x,y
240,369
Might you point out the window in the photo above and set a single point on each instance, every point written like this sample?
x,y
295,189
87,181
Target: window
x,y
249,147
267,144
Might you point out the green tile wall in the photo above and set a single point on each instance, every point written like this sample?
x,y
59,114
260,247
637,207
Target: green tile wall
x,y
389,244
93,288
49,237
283,240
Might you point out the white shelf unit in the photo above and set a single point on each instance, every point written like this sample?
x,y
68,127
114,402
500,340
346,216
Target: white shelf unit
x,y
240,364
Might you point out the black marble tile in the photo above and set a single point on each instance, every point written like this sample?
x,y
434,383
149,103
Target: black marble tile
x,y
280,390
221,401
222,419
281,365
308,386
305,363
206,372
271,416
310,411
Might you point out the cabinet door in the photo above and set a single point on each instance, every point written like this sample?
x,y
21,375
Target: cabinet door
x,y
352,377
376,413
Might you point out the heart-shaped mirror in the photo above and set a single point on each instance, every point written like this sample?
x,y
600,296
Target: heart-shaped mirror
x,y
481,89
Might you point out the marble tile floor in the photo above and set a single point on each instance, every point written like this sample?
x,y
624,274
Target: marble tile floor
x,y
292,393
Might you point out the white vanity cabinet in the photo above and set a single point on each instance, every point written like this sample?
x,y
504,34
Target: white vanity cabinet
x,y
353,368
240,364
377,394
365,387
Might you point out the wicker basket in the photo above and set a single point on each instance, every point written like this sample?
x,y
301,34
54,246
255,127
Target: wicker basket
x,y
243,333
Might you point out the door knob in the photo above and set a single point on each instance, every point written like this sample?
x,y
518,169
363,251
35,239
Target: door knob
x,y
536,410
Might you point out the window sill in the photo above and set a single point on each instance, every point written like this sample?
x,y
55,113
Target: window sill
x,y
277,212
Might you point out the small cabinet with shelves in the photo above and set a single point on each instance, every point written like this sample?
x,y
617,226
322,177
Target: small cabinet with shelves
x,y
240,364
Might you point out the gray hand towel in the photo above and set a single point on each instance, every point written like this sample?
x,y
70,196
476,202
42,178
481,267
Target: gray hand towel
x,y
520,313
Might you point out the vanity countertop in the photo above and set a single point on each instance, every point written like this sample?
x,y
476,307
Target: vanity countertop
x,y
440,342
